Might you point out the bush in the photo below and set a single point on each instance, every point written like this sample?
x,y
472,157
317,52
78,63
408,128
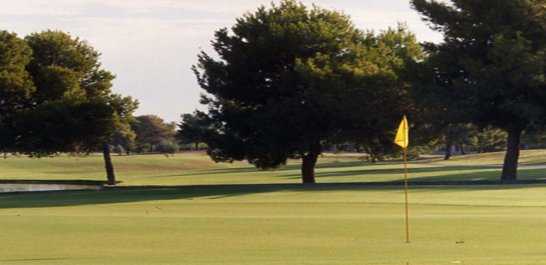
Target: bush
x,y
167,147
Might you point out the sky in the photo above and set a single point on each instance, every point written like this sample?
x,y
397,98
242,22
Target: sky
x,y
151,44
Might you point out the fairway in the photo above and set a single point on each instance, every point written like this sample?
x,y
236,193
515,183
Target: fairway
x,y
266,218
198,169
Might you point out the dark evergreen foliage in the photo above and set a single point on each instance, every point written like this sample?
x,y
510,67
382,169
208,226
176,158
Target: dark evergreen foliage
x,y
490,68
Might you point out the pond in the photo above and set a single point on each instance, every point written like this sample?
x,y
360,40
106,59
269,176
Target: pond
x,y
33,187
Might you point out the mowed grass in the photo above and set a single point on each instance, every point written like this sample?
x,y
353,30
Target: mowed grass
x,y
198,169
274,223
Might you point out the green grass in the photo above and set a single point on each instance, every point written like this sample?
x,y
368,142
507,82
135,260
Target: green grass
x,y
196,168
257,223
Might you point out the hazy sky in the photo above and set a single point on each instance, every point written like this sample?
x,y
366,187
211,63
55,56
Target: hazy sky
x,y
151,44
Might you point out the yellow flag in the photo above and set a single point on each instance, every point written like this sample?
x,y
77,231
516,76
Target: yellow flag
x,y
402,136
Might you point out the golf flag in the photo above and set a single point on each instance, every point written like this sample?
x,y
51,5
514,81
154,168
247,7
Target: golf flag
x,y
402,136
402,139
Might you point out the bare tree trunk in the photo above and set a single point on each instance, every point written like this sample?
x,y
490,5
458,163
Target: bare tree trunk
x,y
110,175
5,155
196,146
308,164
447,154
461,147
510,167
358,148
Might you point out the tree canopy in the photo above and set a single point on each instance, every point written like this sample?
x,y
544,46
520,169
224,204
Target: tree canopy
x,y
490,66
288,78
58,96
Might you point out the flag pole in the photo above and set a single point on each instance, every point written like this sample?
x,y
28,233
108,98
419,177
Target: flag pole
x,y
406,193
402,139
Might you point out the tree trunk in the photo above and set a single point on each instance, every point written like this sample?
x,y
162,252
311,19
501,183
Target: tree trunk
x,y
358,148
110,175
461,147
447,155
510,167
5,155
196,146
308,164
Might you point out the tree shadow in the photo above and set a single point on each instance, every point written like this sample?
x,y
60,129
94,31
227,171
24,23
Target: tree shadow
x,y
385,171
217,171
214,192
289,167
349,164
446,175
531,176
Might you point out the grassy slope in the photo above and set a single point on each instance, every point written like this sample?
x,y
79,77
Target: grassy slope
x,y
274,224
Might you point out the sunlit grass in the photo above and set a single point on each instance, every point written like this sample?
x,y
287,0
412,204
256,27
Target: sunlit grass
x,y
252,223
197,168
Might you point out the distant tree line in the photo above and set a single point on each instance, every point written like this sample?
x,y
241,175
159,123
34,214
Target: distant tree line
x,y
149,134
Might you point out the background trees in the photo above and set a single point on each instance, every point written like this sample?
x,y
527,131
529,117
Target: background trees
x,y
193,129
152,132
491,64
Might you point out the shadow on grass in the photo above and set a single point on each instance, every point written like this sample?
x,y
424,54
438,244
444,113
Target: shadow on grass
x,y
385,171
213,192
485,175
360,171
290,167
441,178
444,174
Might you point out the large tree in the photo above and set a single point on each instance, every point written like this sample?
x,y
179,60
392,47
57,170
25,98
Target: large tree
x,y
289,78
72,108
491,64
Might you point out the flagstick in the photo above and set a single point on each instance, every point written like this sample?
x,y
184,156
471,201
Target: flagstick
x,y
406,193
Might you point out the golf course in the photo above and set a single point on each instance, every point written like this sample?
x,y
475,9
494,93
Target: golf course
x,y
186,209
273,132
